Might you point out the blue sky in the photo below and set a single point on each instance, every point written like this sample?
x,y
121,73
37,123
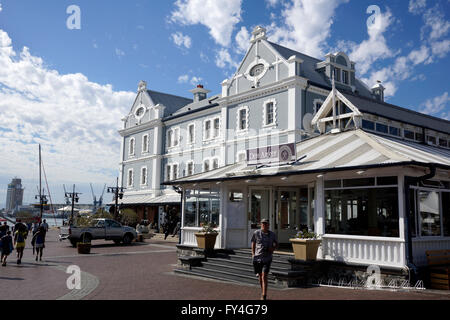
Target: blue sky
x,y
69,89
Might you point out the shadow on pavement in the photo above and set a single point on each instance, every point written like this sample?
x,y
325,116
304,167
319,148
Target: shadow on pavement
x,y
12,279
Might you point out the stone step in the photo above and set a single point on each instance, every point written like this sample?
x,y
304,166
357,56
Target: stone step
x,y
232,268
247,263
224,276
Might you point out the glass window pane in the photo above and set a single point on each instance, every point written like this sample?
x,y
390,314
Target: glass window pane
x,y
333,184
394,131
382,128
190,209
387,181
369,125
366,212
409,135
446,213
429,213
359,182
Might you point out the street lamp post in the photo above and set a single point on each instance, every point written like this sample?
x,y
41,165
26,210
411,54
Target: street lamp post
x,y
118,193
75,196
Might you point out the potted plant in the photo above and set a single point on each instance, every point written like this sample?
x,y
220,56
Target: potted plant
x,y
206,239
84,247
305,245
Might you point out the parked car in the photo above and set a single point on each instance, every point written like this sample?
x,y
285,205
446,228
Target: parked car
x,y
105,229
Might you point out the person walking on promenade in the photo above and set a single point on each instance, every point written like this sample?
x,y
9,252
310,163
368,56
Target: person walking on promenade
x,y
6,247
38,242
45,225
35,228
19,242
4,229
264,243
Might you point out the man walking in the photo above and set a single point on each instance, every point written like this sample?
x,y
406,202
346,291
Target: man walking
x,y
264,243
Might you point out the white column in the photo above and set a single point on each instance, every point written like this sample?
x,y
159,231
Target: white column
x,y
224,124
157,150
223,216
122,156
401,216
319,217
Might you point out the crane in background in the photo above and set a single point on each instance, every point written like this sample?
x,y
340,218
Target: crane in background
x,y
97,204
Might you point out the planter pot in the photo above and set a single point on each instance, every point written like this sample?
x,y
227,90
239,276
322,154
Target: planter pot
x,y
84,248
206,240
305,249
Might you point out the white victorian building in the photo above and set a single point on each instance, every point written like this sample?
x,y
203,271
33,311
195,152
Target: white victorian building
x,y
282,142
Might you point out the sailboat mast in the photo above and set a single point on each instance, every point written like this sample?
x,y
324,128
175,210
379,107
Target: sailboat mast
x,y
40,182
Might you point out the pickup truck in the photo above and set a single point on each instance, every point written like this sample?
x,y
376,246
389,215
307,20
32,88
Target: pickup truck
x,y
106,229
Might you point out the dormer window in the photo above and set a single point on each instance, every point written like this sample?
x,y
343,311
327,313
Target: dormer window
x,y
345,77
337,74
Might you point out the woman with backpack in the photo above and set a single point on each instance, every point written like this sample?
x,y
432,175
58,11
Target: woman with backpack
x,y
7,247
38,242
19,242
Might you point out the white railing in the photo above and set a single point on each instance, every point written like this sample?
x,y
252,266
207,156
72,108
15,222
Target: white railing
x,y
188,237
421,245
379,251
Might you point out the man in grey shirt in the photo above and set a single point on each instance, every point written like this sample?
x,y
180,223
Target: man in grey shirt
x,y
264,243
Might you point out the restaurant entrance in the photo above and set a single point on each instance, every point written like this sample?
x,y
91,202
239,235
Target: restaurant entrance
x,y
289,210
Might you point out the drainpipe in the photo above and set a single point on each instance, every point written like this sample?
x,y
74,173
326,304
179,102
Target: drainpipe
x,y
409,181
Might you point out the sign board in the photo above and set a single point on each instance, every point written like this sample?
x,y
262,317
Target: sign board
x,y
272,154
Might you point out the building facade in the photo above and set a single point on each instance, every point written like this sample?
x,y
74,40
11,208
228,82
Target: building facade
x,y
299,141
14,195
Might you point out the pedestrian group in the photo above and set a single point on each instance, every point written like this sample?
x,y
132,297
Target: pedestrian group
x,y
17,239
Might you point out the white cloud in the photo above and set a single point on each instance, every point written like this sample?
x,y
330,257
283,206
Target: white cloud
x,y
272,3
219,16
436,26
74,119
194,80
417,6
224,59
242,40
181,40
1,7
119,53
435,105
307,25
183,78
372,49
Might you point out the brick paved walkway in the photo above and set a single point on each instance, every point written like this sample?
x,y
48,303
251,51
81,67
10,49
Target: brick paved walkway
x,y
144,271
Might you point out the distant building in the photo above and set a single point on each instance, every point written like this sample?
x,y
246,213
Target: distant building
x,y
14,195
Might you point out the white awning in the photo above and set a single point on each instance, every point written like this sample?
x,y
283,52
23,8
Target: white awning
x,y
149,199
332,152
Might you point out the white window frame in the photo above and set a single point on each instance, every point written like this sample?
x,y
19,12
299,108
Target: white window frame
x,y
214,127
145,146
172,176
191,139
315,102
132,178
132,143
173,138
238,119
145,183
187,168
205,136
206,161
274,123
211,163
168,173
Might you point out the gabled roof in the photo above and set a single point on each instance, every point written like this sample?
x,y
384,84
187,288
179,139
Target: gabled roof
x,y
310,72
349,150
394,112
171,102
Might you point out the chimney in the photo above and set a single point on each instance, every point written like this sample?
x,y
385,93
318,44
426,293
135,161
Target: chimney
x,y
378,91
200,93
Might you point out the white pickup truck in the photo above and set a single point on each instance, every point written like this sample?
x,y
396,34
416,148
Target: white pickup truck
x,y
106,229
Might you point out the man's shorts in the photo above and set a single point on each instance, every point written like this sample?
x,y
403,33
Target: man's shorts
x,y
261,267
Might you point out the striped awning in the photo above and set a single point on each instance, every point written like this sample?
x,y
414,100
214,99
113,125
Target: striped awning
x,y
149,199
333,152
